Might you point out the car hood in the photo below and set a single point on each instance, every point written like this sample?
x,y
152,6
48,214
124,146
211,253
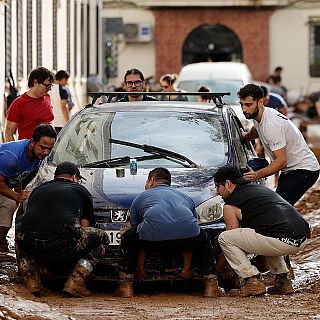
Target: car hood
x,y
108,191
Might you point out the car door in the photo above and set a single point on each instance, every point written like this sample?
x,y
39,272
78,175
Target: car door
x,y
243,149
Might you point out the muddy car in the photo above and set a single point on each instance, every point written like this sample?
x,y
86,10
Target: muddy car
x,y
117,144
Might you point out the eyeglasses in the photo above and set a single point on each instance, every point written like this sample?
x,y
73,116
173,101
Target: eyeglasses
x,y
219,184
48,86
136,83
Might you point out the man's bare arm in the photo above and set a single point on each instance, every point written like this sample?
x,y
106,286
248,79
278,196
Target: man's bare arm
x,y
275,166
10,129
9,193
251,135
231,215
65,110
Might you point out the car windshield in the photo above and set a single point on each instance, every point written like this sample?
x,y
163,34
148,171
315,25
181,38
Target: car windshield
x,y
169,139
231,86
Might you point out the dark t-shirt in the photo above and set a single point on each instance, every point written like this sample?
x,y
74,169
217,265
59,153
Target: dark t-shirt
x,y
54,204
145,98
267,213
64,94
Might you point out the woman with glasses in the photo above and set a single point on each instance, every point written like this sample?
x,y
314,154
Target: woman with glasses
x,y
167,82
31,108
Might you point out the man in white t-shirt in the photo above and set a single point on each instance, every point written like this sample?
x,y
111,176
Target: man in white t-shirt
x,y
283,143
59,99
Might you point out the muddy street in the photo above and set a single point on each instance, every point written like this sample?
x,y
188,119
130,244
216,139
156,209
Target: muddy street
x,y
182,301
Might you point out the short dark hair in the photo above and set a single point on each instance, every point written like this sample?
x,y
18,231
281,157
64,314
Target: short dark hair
x,y
43,130
231,173
68,168
41,74
204,89
265,91
278,69
62,74
133,71
251,90
161,174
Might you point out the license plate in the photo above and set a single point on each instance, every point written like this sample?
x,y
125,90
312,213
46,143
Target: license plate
x,y
114,237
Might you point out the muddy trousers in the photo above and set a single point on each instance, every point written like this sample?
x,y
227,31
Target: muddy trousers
x,y
200,245
237,243
89,243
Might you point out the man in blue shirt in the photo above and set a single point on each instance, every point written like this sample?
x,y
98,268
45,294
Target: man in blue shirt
x,y
164,219
19,160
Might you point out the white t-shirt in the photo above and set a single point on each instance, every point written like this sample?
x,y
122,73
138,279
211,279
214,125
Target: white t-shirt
x,y
276,131
59,120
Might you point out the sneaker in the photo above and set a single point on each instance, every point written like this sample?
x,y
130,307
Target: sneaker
x,y
283,285
252,286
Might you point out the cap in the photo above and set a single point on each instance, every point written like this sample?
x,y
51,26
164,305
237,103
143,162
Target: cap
x,y
67,167
231,173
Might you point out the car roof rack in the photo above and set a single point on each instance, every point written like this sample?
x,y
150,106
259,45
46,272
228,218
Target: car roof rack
x,y
215,97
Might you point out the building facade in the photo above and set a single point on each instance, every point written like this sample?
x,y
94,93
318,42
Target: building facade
x,y
263,34
56,34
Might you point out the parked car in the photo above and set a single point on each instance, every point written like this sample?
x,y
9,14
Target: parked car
x,y
191,139
218,77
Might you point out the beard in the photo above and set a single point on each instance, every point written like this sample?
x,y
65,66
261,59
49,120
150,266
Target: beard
x,y
132,94
252,115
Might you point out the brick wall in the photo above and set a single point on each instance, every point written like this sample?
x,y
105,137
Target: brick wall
x,y
173,26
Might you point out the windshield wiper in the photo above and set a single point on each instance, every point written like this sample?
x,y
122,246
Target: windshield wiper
x,y
155,150
110,163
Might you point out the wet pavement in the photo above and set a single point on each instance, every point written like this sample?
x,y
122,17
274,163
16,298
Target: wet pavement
x,y
174,302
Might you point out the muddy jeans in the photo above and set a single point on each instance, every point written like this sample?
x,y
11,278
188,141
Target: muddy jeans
x,y
237,243
89,243
200,245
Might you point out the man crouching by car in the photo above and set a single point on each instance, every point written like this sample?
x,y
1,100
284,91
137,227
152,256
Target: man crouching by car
x,y
164,219
259,222
56,229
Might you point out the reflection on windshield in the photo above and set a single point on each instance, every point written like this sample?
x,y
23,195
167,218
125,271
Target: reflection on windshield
x,y
231,86
200,137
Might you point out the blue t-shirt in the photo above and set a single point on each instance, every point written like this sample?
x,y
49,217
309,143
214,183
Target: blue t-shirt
x,y
14,162
276,101
163,213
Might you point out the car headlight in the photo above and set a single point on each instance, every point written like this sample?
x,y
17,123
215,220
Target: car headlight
x,y
210,210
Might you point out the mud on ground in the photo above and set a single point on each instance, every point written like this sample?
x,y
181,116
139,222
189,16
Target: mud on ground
x,y
174,301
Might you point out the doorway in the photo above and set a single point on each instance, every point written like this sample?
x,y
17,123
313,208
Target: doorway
x,y
212,43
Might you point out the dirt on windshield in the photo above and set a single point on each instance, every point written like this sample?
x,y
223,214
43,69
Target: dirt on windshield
x,y
174,301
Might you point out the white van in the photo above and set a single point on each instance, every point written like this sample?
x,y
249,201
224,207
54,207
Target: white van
x,y
218,77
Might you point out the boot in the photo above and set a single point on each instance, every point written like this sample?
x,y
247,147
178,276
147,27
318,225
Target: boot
x,y
252,286
125,289
30,275
3,239
282,285
4,246
211,288
75,284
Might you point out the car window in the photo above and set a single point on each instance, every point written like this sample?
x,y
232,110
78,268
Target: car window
x,y
231,86
201,137
241,148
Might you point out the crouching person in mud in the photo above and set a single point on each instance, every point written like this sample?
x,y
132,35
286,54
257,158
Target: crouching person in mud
x,y
56,229
164,220
260,222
